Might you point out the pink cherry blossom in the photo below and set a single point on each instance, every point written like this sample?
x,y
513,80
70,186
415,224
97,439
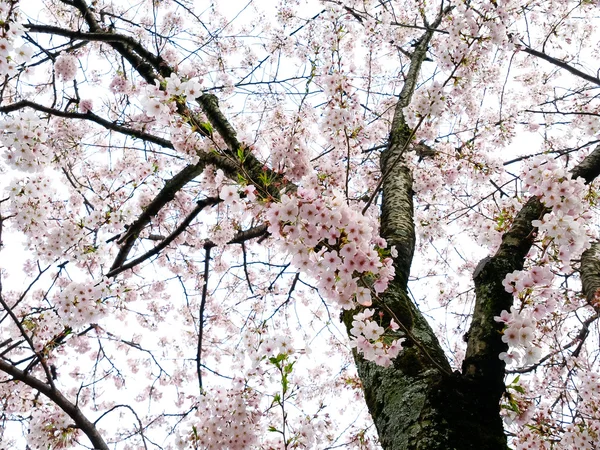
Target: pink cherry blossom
x,y
66,66
217,223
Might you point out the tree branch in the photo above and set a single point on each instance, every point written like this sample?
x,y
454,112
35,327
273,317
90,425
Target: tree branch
x,y
267,181
562,65
88,116
147,64
397,225
201,317
180,229
150,67
482,363
102,36
166,194
244,235
590,275
61,401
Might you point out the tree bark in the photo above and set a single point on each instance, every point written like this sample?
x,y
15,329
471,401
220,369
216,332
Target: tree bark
x,y
590,275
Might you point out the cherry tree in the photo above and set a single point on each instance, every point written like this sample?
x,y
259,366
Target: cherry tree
x,y
299,224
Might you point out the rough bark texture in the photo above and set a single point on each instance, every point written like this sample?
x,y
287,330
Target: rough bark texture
x,y
589,168
590,274
481,364
418,403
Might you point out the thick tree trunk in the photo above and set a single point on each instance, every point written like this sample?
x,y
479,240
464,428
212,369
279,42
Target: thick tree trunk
x,y
417,409
418,403
590,275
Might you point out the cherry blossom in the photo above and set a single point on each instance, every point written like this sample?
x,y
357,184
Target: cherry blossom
x,y
218,222
66,67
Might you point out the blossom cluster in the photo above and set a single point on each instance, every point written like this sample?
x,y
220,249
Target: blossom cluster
x,y
51,429
519,335
342,123
581,435
430,102
566,224
590,387
369,339
341,113
310,432
289,154
273,346
332,243
86,105
306,431
224,419
12,50
485,232
520,280
45,328
65,66
260,347
157,102
119,85
81,303
24,137
521,324
338,246
36,209
565,235
231,196
224,231
32,203
489,226
189,88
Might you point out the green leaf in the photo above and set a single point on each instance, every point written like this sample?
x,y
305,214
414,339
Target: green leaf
x,y
206,127
287,369
284,384
519,389
241,153
276,360
264,178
